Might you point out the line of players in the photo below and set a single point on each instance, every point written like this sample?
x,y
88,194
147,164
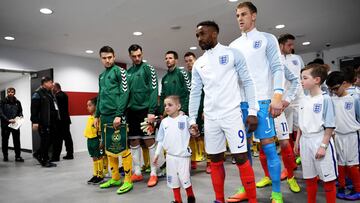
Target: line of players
x,y
256,60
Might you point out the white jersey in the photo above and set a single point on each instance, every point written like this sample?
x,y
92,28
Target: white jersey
x,y
174,136
315,114
262,53
347,111
353,90
294,63
219,72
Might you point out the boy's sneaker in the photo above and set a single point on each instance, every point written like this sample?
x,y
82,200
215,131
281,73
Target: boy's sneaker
x,y
191,199
353,196
6,159
276,197
341,193
91,181
136,178
98,180
265,181
284,174
110,183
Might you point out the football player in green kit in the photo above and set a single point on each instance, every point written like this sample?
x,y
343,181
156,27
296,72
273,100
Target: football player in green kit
x,y
143,95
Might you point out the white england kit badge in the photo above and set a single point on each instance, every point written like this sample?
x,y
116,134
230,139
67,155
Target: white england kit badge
x,y
181,125
223,60
317,108
257,44
348,105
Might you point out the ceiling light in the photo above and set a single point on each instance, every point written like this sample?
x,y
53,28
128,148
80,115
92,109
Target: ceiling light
x,y
193,48
144,61
233,0
46,11
9,38
89,51
280,26
306,43
137,33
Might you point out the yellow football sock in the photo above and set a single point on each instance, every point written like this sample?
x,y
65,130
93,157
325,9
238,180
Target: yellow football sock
x,y
95,168
193,148
114,166
200,149
127,164
145,152
100,168
105,164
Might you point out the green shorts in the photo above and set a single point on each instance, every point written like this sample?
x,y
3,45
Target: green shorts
x,y
93,145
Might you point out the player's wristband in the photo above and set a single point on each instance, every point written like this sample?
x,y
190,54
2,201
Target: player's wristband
x,y
325,146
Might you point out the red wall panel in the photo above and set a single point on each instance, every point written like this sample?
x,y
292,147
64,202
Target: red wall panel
x,y
77,102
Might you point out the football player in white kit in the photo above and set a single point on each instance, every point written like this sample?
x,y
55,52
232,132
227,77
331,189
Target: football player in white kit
x,y
219,72
174,136
317,123
347,111
262,53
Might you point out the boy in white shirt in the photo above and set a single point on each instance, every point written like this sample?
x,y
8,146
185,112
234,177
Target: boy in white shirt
x,y
347,111
174,137
317,124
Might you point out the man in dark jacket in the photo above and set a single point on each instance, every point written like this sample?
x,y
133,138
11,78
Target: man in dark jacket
x,y
63,126
44,115
10,108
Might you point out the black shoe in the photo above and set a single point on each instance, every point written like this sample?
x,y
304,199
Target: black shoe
x,y
54,159
48,164
91,181
68,157
98,180
37,157
191,199
6,159
19,159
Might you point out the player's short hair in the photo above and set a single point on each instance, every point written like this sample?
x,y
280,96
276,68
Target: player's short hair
x,y
93,101
189,53
285,37
45,79
349,74
134,47
11,89
210,23
57,85
335,78
176,56
317,70
249,5
106,49
174,98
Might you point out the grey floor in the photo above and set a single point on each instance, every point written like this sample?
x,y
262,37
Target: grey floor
x,y
28,182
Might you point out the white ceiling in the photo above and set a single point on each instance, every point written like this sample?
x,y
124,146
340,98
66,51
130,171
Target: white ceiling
x,y
76,26
8,76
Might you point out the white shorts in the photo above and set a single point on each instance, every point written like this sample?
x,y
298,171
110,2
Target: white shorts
x,y
281,127
292,117
347,149
218,131
325,168
178,171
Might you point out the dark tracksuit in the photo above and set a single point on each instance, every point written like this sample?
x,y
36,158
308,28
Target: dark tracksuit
x,y
10,109
176,82
143,96
63,126
44,113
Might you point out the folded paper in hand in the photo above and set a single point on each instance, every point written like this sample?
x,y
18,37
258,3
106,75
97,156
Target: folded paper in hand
x,y
18,123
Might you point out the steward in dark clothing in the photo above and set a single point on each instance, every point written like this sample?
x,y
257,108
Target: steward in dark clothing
x,y
10,108
44,115
63,126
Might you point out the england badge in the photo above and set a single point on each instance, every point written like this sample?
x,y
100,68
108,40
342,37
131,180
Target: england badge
x,y
223,60
181,125
257,44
